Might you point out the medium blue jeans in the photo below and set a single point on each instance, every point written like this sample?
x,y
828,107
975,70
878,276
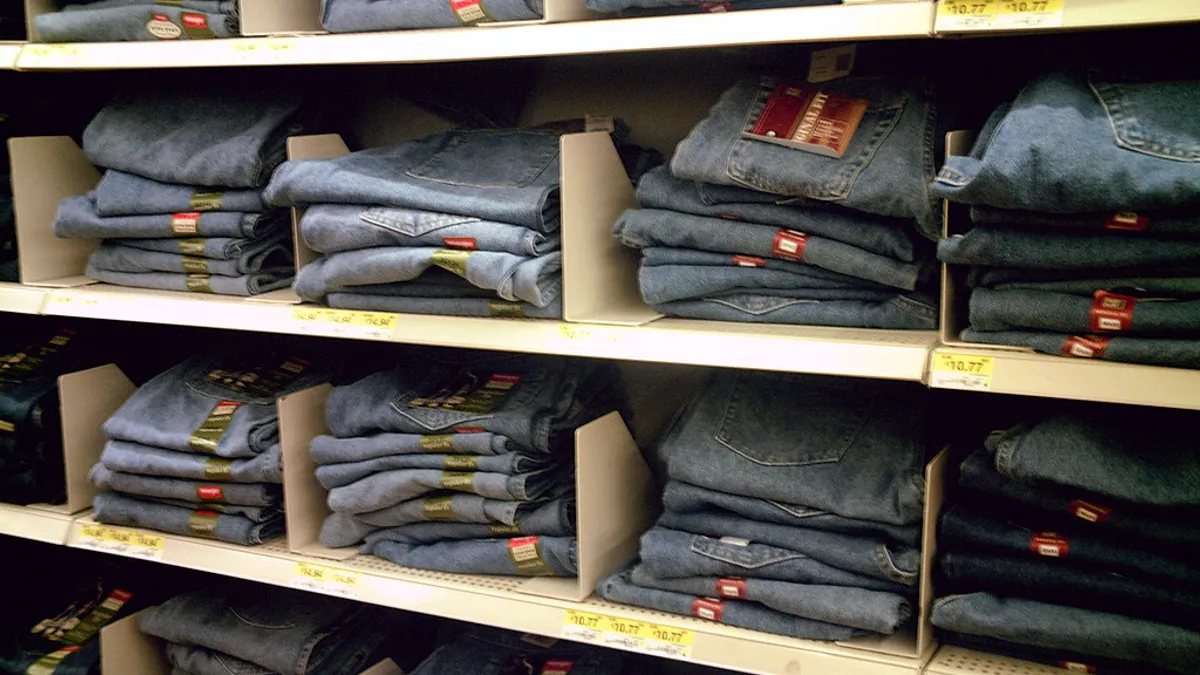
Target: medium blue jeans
x,y
886,170
77,219
555,518
488,651
243,494
662,284
1061,250
901,312
446,306
510,176
118,509
1179,222
272,258
212,248
1172,284
244,286
389,488
1067,313
1150,351
360,16
124,194
341,529
144,460
648,8
523,556
131,23
331,450
664,256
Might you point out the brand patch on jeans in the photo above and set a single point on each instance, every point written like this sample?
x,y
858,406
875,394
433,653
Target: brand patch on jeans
x,y
1077,666
468,392
210,493
438,508
469,430
708,608
161,27
199,283
461,481
260,379
1111,313
33,357
86,628
185,223
1128,221
452,261
195,26
203,524
557,667
194,265
1089,512
1085,346
789,245
511,310
526,556
748,260
731,587
470,12
808,118
1049,544
461,462
194,247
218,468
714,7
443,443
463,243
504,529
205,201
49,663
206,438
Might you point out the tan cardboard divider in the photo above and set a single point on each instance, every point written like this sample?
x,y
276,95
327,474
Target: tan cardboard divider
x,y
126,650
615,493
45,170
258,17
86,399
555,11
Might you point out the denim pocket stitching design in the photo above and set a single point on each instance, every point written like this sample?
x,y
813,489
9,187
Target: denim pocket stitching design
x,y
220,659
764,304
888,566
195,382
730,555
1128,132
430,169
797,511
418,226
249,622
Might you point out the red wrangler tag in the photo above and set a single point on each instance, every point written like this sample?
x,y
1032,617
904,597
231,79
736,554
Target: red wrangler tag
x,y
1089,512
468,430
195,21
731,587
1077,666
210,492
464,243
557,667
748,261
1049,544
1127,220
789,245
1085,346
708,608
1111,313
711,7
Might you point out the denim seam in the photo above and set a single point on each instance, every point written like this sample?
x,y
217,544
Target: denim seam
x,y
1127,133
458,138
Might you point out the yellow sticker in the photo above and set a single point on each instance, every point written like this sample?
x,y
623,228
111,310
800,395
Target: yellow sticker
x,y
120,541
962,371
327,580
972,15
629,634
345,323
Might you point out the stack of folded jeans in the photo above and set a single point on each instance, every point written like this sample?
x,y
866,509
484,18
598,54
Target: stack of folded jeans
x,y
633,8
1073,541
138,20
1085,199
360,16
462,462
461,222
489,651
793,506
745,230
195,450
181,206
9,271
254,628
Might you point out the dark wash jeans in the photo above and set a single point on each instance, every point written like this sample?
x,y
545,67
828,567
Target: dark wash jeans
x,y
1053,657
1149,351
490,651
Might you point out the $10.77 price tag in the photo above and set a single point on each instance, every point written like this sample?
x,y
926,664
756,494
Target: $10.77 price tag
x,y
120,541
638,636
962,371
970,15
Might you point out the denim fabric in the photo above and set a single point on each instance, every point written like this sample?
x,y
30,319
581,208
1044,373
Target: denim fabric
x,y
389,488
227,136
1042,624
1150,351
250,494
331,228
661,284
282,630
85,661
1052,657
188,660
558,555
854,448
902,312
1065,313
359,16
995,531
1079,283
211,248
342,529
77,219
522,397
1059,250
534,280
346,473
864,555
117,509
489,651
256,514
671,554
839,605
641,228
332,450
664,256
1076,142
1047,581
685,498
555,518
243,286
1143,455
129,23
433,284
510,176
1182,222
446,306
144,460
167,411
886,170
124,194
650,8
211,6
31,470
271,258
658,189
619,587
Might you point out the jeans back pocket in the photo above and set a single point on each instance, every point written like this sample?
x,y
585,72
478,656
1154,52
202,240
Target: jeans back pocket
x,y
748,556
250,380
490,159
412,223
450,397
1152,118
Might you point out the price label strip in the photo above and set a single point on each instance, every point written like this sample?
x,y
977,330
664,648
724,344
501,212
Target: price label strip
x,y
962,371
327,580
973,15
345,323
120,541
628,634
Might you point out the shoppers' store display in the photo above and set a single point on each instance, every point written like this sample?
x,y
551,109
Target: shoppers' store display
x,y
132,20
1073,540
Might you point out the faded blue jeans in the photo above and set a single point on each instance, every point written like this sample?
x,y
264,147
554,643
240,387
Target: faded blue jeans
x,y
331,450
360,16
483,307
1068,313
345,473
389,488
1062,250
520,556
144,460
161,487
902,312
886,170
130,23
77,219
268,257
125,194
1178,222
1150,351
118,509
244,286
662,284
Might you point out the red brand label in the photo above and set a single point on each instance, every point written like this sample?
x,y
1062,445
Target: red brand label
x,y
468,430
195,21
728,216
464,243
789,245
161,17
1111,313
1089,512
708,608
711,7
505,378
748,261
1085,346
1049,544
731,587
121,595
226,408
1077,666
811,119
557,667
210,492
1127,220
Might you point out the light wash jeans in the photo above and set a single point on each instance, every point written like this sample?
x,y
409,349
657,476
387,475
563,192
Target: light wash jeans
x,y
77,218
117,509
125,194
519,556
389,488
483,307
144,460
130,23
273,258
360,16
661,284
345,473
160,487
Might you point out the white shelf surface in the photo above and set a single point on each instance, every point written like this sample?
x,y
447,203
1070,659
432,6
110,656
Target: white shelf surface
x,y
31,523
1078,15
900,355
958,661
22,299
494,601
1045,375
9,52
801,24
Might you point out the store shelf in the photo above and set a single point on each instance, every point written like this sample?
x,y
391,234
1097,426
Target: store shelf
x,y
32,523
958,661
995,16
9,51
1026,373
494,601
22,299
801,24
899,355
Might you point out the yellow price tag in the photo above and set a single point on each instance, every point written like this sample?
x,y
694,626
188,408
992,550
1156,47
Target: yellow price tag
x,y
345,323
966,15
267,49
962,371
629,634
575,331
121,541
53,51
327,580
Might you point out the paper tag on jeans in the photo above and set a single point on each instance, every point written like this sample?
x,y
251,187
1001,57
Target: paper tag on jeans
x,y
748,260
195,26
830,64
526,556
210,493
1127,221
470,12
205,201
208,435
1049,544
49,663
185,223
161,27
557,667
1077,666
199,283
708,608
1085,346
1111,313
731,587
1089,511
808,118
203,524
789,245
